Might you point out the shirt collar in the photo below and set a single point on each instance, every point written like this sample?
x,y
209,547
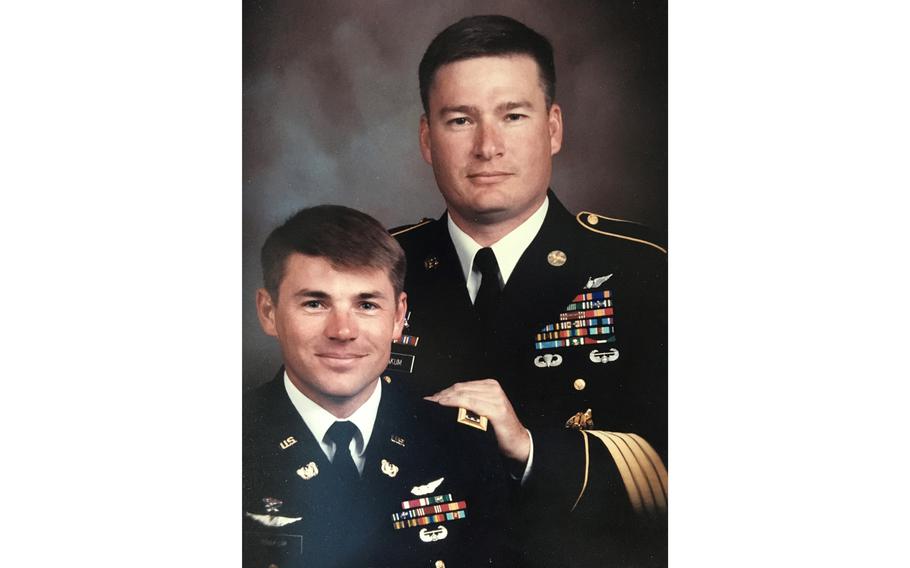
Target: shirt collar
x,y
319,420
508,250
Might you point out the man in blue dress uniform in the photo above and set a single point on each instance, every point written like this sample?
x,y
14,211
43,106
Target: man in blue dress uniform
x,y
545,322
340,467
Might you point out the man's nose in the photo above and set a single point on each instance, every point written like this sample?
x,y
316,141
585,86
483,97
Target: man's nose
x,y
341,325
488,142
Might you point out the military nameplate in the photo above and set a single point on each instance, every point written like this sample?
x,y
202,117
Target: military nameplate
x,y
401,362
468,418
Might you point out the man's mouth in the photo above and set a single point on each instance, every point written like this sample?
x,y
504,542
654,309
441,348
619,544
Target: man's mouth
x,y
489,177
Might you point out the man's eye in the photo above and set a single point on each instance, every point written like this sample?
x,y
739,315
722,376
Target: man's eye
x,y
312,304
460,121
368,306
513,117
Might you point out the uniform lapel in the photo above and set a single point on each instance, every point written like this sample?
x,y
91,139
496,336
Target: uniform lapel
x,y
536,289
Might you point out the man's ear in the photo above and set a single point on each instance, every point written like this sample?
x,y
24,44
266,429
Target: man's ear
x,y
424,135
265,309
401,308
554,123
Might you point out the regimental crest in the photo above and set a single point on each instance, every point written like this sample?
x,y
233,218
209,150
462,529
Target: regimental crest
x,y
581,420
586,320
389,469
309,471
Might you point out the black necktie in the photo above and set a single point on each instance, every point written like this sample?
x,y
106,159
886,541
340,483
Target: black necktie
x,y
342,433
487,300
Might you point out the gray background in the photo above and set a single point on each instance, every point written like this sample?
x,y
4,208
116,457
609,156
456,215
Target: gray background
x,y
331,108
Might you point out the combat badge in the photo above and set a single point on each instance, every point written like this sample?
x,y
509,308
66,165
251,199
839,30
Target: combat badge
x,y
607,356
580,420
468,418
432,535
308,471
596,282
548,360
272,520
427,488
389,469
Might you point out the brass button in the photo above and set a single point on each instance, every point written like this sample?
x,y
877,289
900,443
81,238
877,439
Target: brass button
x,y
387,379
592,219
579,384
273,566
440,564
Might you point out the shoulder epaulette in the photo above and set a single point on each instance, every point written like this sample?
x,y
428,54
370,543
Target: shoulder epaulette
x,y
618,228
395,231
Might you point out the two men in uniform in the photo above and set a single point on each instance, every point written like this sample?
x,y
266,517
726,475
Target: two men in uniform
x,y
550,325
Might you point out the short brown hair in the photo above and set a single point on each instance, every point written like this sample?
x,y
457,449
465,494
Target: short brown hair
x,y
345,237
483,36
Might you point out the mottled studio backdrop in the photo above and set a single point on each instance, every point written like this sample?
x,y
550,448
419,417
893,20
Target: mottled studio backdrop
x,y
331,108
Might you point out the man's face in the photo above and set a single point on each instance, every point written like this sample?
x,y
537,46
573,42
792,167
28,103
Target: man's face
x,y
335,329
490,138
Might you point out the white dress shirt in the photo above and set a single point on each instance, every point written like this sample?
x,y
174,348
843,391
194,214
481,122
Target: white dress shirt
x,y
319,420
508,251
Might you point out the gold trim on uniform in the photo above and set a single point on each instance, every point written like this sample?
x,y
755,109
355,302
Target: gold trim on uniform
x,y
585,225
421,223
641,469
584,483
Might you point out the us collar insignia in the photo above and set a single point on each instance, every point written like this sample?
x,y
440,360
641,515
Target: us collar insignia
x,y
427,487
287,442
397,440
389,469
308,471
